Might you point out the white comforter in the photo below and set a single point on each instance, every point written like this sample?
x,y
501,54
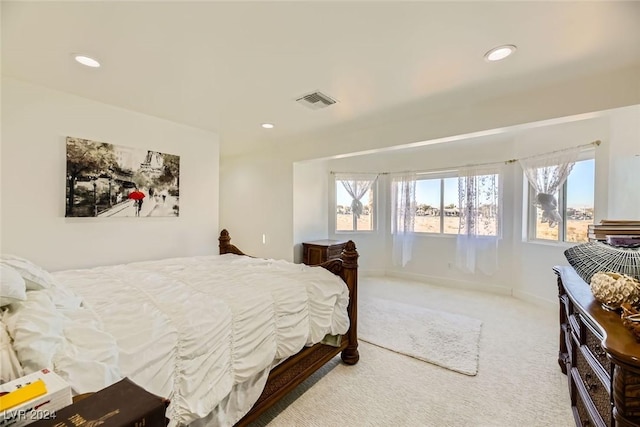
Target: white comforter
x,y
201,331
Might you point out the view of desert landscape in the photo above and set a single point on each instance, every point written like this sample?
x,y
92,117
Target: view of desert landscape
x,y
576,228
344,222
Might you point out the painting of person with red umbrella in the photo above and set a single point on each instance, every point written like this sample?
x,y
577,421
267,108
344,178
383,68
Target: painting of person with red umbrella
x,y
137,196
107,180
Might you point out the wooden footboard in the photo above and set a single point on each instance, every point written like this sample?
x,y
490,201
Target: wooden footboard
x,y
289,374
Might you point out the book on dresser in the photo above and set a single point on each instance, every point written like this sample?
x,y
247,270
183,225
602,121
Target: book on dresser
x,y
600,357
608,227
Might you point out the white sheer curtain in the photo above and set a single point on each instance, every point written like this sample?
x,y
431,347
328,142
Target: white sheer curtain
x,y
480,219
403,214
547,173
356,185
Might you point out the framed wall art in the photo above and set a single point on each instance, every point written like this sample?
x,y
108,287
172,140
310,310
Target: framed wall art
x,y
107,180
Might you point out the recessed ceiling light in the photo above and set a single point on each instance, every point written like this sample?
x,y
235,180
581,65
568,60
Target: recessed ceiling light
x,y
85,60
267,125
500,52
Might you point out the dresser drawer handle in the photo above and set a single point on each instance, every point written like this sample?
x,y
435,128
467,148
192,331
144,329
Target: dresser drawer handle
x,y
587,382
598,351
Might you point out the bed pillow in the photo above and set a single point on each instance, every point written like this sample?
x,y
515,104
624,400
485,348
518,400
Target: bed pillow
x,y
12,286
593,257
35,277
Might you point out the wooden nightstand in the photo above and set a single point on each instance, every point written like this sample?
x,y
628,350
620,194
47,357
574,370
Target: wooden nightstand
x,y
319,251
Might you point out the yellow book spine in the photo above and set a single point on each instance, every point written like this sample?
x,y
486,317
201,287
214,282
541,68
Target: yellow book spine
x,y
23,394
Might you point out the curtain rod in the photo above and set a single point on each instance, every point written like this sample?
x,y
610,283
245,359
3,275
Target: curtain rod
x,y
507,162
597,142
454,168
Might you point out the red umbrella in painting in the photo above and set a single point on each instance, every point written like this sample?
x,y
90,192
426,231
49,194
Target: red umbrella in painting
x,y
136,195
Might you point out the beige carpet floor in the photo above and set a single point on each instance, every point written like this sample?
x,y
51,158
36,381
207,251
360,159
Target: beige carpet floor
x,y
435,336
519,382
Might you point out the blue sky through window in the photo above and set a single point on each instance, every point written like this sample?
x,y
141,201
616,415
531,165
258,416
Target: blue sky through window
x,y
580,184
428,192
343,198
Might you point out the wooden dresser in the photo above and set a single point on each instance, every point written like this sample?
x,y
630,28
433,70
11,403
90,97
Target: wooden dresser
x,y
319,251
599,355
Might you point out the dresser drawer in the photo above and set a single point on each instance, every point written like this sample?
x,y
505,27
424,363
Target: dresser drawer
x,y
584,409
591,378
592,341
583,419
575,325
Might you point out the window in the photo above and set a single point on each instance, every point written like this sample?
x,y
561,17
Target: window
x,y
437,205
575,206
355,197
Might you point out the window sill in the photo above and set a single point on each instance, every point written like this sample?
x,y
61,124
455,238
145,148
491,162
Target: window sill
x,y
452,236
436,235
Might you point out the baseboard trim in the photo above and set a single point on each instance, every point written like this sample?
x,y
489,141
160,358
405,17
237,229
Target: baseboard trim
x,y
372,273
454,283
536,300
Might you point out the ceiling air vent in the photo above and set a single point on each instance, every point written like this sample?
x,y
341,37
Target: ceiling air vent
x,y
316,100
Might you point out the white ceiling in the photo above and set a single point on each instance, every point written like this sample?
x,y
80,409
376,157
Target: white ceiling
x,y
230,66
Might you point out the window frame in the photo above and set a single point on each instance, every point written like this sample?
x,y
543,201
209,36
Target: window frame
x,y
432,176
442,176
531,211
374,206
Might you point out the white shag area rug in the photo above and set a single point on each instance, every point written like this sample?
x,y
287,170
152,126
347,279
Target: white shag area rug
x,y
444,339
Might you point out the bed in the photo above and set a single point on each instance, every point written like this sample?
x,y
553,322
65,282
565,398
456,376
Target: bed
x,y
222,337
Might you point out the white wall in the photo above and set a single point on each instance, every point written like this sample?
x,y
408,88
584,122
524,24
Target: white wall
x,y
35,123
256,200
624,165
310,214
526,271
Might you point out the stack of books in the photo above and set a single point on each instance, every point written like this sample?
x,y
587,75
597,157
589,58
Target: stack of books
x,y
616,232
35,396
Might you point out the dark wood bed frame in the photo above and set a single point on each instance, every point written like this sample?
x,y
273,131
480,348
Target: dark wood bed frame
x,y
289,374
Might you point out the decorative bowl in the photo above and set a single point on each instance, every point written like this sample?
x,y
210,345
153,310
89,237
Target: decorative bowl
x,y
591,257
612,289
